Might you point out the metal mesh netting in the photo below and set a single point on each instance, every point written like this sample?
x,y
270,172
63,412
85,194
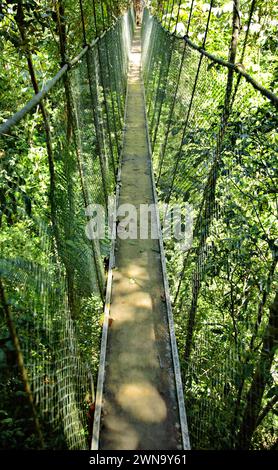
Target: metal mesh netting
x,y
221,285
52,275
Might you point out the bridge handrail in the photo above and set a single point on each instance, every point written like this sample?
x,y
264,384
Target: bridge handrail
x,y
37,98
238,68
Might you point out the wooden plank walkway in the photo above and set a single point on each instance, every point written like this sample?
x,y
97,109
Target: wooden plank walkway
x,y
138,400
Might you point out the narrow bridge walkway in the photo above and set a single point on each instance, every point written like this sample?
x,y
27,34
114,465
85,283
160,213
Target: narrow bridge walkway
x,y
139,401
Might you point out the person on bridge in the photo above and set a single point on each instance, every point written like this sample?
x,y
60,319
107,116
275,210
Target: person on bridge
x,y
138,7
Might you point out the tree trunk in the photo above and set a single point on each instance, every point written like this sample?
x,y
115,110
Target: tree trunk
x,y
210,190
21,27
69,164
262,304
260,379
268,407
20,361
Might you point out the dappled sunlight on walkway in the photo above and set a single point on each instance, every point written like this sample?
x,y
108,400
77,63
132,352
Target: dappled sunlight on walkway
x,y
140,409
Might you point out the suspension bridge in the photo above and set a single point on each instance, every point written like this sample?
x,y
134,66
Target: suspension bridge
x,y
144,116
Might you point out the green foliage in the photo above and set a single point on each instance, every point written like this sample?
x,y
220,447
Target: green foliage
x,y
47,264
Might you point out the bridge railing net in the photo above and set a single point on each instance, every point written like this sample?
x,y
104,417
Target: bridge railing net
x,y
52,274
225,172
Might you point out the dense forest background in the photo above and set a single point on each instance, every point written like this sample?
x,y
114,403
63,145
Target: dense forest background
x,y
49,313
